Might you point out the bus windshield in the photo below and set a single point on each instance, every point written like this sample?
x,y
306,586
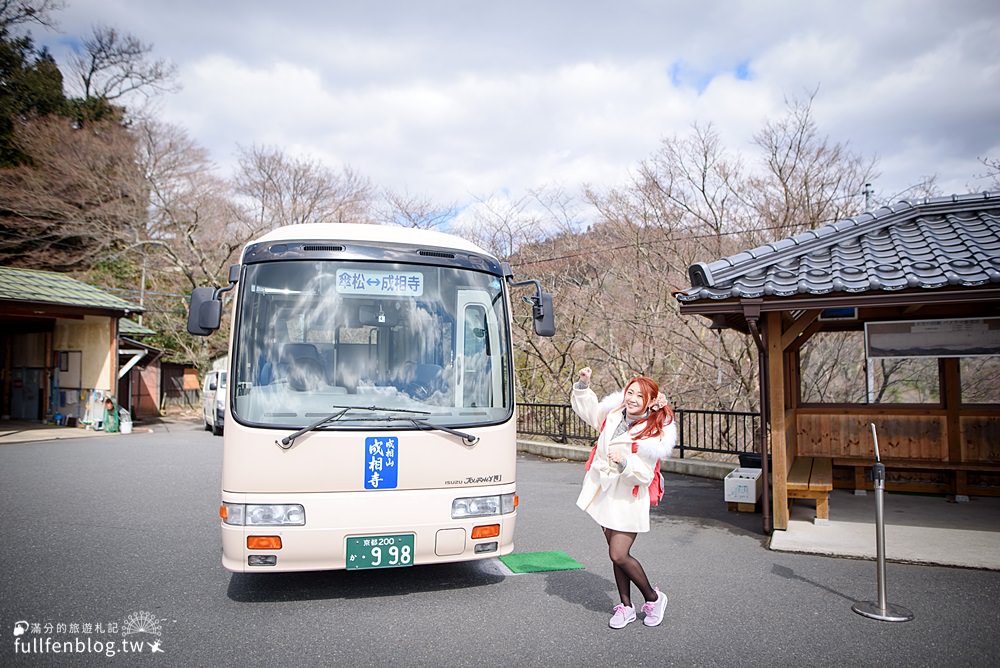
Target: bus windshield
x,y
313,337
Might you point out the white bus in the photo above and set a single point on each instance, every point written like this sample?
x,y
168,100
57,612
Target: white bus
x,y
370,419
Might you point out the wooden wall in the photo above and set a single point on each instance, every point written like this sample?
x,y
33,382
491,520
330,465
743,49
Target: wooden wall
x,y
912,435
980,438
931,451
846,433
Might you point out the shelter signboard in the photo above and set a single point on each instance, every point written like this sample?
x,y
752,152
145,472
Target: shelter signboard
x,y
961,337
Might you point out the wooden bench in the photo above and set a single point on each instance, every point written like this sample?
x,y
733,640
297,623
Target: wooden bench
x,y
812,478
958,485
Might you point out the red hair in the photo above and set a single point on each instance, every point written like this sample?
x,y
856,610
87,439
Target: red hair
x,y
653,423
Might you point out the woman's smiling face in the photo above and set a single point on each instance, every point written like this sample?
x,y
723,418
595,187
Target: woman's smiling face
x,y
635,403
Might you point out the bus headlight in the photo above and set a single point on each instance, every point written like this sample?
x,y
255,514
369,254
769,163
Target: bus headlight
x,y
482,506
263,514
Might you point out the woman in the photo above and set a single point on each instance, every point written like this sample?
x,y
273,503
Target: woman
x,y
110,421
615,489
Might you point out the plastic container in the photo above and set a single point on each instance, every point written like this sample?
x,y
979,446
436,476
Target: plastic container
x,y
124,421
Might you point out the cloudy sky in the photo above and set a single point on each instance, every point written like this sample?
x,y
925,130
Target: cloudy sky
x,y
465,100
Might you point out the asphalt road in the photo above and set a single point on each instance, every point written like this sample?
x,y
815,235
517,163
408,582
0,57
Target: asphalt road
x,y
122,532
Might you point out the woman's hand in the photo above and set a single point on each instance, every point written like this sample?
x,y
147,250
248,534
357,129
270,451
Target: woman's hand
x,y
585,374
616,459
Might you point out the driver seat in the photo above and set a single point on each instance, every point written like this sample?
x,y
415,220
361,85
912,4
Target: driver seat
x,y
305,367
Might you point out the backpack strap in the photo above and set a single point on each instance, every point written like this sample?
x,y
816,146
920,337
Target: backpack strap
x,y
655,486
635,449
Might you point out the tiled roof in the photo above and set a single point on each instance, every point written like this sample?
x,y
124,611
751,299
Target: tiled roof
x,y
46,287
934,243
128,327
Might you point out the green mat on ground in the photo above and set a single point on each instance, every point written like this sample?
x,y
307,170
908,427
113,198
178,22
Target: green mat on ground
x,y
538,562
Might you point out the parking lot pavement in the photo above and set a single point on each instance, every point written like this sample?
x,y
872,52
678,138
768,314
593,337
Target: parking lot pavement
x,y
12,432
25,431
919,528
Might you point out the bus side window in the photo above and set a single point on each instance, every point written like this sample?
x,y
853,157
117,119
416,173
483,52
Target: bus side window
x,y
475,354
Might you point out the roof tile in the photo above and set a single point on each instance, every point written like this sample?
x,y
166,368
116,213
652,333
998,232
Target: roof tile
x,y
46,287
930,244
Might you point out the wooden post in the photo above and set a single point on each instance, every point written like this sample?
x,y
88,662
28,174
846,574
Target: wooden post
x,y
952,399
777,404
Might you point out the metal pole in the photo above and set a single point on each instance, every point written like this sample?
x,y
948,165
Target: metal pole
x,y
882,609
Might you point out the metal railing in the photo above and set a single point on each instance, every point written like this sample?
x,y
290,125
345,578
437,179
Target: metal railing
x,y
724,432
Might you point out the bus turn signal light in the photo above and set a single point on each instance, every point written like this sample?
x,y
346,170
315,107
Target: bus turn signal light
x,y
486,531
263,542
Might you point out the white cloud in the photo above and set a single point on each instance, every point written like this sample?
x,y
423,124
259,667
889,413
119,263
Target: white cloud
x,y
458,101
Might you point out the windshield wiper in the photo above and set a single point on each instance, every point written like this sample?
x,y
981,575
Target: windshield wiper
x,y
423,425
468,439
394,410
289,440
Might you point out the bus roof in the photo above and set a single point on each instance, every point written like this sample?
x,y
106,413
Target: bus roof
x,y
370,233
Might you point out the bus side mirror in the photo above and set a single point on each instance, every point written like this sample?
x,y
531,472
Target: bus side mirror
x,y
543,315
205,313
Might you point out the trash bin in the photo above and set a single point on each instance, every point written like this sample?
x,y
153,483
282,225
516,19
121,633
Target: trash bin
x,y
125,421
752,460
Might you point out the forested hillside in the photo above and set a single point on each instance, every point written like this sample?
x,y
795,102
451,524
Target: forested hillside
x,y
92,183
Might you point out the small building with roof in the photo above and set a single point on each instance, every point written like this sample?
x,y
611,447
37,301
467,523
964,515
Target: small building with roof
x,y
59,345
140,371
885,328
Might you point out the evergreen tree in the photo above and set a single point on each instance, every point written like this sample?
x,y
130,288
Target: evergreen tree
x,y
31,85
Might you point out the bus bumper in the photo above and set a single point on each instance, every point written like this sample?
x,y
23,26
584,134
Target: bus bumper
x,y
360,530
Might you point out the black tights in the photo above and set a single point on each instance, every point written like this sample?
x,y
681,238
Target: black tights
x,y
627,568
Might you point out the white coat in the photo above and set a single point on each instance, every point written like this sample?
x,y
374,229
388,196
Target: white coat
x,y
607,493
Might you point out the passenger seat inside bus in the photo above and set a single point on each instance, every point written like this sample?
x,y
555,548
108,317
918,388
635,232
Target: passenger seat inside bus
x,y
303,365
328,357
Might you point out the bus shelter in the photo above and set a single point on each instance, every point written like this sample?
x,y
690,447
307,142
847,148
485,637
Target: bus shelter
x,y
889,318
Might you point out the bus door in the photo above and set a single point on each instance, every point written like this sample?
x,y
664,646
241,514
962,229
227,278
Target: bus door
x,y
478,382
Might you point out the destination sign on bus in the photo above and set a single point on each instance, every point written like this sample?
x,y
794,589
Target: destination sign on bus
x,y
380,462
380,283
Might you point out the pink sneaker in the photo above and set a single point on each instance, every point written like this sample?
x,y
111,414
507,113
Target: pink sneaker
x,y
623,615
654,609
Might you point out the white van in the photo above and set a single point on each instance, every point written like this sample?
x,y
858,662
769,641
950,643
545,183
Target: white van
x,y
213,400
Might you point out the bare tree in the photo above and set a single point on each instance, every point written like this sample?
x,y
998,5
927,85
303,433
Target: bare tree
x,y
198,222
192,227
809,180
685,204
690,202
79,199
112,65
20,12
992,166
191,236
411,211
830,365
274,189
529,233
501,226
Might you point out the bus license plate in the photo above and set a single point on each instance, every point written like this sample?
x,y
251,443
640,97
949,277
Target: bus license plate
x,y
380,551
